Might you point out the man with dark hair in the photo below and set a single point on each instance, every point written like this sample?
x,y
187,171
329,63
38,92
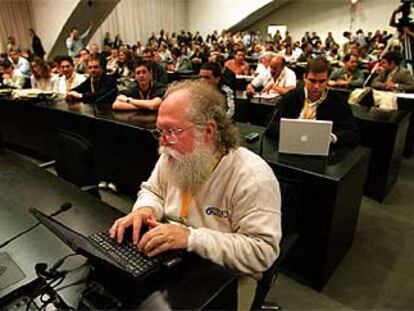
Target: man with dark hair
x,y
314,101
206,194
70,78
393,76
20,63
143,93
180,62
211,74
37,46
348,76
238,65
11,77
159,74
98,86
75,42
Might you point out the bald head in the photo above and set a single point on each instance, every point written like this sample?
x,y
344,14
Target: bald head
x,y
276,65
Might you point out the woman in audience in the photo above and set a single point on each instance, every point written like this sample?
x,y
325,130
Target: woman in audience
x,y
42,78
123,65
112,60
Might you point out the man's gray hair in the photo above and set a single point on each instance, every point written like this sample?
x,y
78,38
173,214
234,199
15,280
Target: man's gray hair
x,y
208,104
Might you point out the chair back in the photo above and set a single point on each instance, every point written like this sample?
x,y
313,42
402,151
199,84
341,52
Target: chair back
x,y
291,193
74,159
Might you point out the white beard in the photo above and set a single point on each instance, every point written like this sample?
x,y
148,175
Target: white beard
x,y
192,170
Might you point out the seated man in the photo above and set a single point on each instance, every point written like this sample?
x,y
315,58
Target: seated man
x,y
159,74
98,86
220,201
393,77
179,62
349,76
143,93
238,65
69,78
211,73
281,79
11,77
315,101
20,63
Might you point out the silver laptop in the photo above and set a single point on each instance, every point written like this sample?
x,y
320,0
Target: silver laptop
x,y
307,137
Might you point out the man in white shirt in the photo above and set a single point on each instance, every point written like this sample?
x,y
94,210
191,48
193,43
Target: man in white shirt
x,y
221,201
20,63
75,42
280,79
11,77
69,79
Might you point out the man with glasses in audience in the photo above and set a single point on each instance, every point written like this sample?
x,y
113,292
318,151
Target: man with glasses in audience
x,y
315,101
215,199
143,93
97,87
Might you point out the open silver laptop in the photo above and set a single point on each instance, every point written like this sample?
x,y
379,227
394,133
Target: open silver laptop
x,y
307,137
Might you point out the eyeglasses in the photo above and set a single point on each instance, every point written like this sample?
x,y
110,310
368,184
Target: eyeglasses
x,y
171,134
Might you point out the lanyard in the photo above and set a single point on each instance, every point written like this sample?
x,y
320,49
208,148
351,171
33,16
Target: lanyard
x,y
309,108
186,197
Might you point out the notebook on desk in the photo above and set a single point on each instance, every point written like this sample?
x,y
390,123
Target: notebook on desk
x,y
99,246
306,137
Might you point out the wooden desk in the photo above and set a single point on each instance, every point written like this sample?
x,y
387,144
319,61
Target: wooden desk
x,y
23,184
330,192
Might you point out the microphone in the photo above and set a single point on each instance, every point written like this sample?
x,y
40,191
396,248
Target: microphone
x,y
63,208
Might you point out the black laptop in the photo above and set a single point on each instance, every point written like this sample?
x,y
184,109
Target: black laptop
x,y
99,246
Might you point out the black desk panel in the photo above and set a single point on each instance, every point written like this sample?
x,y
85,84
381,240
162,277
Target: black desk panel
x,y
384,132
124,150
23,185
329,197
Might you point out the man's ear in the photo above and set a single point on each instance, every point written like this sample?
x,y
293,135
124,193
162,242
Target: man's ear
x,y
210,131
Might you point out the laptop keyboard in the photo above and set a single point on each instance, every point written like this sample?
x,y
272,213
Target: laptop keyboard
x,y
127,255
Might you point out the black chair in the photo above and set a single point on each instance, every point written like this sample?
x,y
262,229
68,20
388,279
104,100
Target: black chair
x,y
291,193
74,161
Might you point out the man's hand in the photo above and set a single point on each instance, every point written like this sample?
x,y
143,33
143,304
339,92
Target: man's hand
x,y
73,95
122,98
135,219
389,85
163,237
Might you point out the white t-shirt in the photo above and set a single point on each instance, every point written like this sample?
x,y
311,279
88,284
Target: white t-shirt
x,y
287,78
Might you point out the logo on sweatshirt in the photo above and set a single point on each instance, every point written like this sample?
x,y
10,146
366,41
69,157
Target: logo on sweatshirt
x,y
214,211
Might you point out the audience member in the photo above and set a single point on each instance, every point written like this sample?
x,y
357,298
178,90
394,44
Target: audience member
x,y
42,78
238,65
75,42
20,63
37,46
98,86
143,93
211,74
280,79
316,101
70,78
203,193
11,77
179,62
349,75
159,74
393,77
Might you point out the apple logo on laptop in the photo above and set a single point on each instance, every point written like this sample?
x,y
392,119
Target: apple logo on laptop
x,y
304,138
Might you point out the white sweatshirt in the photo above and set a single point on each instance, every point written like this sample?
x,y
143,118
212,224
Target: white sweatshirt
x,y
234,219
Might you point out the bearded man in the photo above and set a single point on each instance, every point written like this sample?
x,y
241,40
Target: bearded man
x,y
216,199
